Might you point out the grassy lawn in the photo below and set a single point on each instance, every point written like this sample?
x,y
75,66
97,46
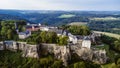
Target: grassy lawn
x,y
116,29
109,34
106,47
105,19
66,16
78,23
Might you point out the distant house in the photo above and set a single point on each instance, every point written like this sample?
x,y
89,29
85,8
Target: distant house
x,y
28,23
44,28
32,27
86,42
94,35
73,39
56,30
33,24
79,39
59,32
76,39
23,35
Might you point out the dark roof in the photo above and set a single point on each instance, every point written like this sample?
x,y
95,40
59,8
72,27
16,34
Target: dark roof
x,y
86,38
28,27
65,32
36,26
8,42
58,31
26,32
79,37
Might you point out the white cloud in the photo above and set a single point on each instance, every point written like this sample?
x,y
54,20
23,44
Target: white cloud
x,y
61,4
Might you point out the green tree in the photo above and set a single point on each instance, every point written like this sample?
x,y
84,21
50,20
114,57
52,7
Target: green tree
x,y
3,30
79,65
3,23
57,64
43,36
63,40
7,29
9,34
117,44
51,37
37,39
79,30
118,63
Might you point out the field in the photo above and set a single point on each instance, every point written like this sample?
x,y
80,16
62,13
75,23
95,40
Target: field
x,y
116,29
109,34
105,19
66,16
78,23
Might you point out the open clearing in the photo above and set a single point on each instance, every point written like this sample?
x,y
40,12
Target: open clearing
x,y
78,23
109,34
66,16
105,19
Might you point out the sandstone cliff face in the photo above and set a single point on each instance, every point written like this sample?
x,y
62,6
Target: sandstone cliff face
x,y
27,49
63,53
60,52
30,51
85,53
97,56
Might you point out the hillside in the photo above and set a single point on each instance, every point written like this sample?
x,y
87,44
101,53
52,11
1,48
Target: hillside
x,y
105,24
58,17
10,17
108,21
109,34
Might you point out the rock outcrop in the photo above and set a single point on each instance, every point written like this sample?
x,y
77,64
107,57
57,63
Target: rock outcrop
x,y
85,53
97,56
63,53
60,52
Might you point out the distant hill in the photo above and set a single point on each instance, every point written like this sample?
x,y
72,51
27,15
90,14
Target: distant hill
x,y
57,17
11,17
105,24
97,20
109,34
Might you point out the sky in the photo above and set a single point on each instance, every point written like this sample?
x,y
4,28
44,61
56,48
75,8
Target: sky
x,y
95,5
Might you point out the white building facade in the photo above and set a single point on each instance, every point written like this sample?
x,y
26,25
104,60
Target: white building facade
x,y
86,43
23,35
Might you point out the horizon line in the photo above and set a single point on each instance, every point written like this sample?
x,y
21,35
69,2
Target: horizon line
x,y
57,10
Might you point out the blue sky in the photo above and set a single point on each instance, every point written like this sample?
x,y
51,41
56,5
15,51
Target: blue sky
x,y
96,5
